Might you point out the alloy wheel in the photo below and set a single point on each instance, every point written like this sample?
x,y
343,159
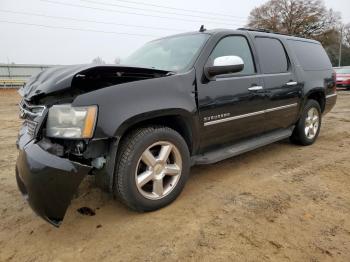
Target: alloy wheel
x,y
312,123
158,170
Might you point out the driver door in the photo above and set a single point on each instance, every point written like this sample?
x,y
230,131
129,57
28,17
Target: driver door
x,y
231,105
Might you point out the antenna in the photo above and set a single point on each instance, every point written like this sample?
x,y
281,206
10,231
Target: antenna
x,y
202,29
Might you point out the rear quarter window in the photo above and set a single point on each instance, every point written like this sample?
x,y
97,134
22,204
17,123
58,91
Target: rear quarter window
x,y
311,56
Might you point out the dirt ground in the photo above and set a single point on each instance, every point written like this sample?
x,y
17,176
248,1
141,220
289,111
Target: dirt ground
x,y
278,203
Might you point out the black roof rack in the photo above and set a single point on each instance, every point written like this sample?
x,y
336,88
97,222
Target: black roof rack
x,y
255,29
261,30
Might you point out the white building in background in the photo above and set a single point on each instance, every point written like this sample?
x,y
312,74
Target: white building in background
x,y
15,75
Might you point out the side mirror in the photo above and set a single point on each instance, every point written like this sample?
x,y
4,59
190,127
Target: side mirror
x,y
225,65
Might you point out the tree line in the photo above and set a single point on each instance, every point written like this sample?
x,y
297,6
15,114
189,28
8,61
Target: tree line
x,y
305,18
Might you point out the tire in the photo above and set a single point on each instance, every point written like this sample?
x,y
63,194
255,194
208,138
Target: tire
x,y
170,155
306,132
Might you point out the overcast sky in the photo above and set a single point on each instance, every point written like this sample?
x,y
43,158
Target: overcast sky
x,y
41,39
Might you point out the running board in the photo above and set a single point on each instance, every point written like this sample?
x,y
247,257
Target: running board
x,y
241,147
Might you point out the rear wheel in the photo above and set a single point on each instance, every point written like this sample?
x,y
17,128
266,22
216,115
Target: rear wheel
x,y
153,166
308,127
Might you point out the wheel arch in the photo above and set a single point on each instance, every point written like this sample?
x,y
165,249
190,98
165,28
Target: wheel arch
x,y
179,120
319,96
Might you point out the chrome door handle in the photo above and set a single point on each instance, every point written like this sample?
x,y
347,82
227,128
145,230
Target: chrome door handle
x,y
255,88
292,83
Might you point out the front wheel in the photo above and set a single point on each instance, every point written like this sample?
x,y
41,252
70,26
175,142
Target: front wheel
x,y
152,169
308,126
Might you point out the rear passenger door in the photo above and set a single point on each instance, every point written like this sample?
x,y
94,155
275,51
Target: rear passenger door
x,y
281,89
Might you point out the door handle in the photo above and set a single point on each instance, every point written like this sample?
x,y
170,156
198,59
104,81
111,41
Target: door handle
x,y
255,88
292,83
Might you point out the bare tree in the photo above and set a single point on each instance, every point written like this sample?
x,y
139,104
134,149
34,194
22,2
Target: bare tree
x,y
98,60
306,18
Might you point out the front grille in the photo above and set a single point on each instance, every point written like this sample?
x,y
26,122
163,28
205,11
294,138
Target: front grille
x,y
32,111
31,127
31,115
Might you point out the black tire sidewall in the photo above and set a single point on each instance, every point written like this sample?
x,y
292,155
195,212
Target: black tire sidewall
x,y
303,139
132,194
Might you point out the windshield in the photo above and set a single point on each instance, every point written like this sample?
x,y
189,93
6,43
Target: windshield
x,y
175,53
342,70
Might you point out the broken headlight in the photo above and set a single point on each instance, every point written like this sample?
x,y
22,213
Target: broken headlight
x,y
65,121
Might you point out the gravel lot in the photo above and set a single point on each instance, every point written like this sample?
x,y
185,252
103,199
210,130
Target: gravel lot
x,y
278,203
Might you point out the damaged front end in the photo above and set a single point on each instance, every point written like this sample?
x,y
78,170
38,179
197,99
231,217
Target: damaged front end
x,y
48,182
56,142
48,170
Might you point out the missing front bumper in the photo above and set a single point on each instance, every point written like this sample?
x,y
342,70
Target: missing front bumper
x,y
47,182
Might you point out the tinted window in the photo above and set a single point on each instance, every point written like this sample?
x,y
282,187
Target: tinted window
x,y
311,56
237,46
272,56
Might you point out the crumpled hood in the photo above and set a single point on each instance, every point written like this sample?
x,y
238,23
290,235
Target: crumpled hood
x,y
60,78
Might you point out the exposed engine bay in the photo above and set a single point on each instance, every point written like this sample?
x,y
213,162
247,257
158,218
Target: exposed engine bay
x,y
47,89
44,91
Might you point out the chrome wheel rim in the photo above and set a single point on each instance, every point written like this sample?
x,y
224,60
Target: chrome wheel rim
x,y
312,123
158,170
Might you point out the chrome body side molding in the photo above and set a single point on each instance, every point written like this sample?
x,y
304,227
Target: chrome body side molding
x,y
209,123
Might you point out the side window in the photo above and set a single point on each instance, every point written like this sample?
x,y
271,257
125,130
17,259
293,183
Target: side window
x,y
310,55
238,46
272,56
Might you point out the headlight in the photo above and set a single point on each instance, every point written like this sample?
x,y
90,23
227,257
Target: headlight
x,y
65,121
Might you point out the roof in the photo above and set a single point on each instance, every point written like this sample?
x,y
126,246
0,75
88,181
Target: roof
x,y
260,32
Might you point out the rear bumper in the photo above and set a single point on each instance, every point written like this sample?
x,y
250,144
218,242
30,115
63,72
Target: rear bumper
x,y
330,102
47,182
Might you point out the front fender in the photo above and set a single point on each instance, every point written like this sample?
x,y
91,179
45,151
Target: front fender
x,y
184,115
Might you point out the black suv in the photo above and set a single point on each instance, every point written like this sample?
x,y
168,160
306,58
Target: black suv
x,y
179,101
